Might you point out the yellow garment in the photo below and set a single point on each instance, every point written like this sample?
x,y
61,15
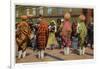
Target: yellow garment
x,y
51,40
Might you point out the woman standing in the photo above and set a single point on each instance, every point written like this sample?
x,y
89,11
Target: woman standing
x,y
66,34
82,31
52,42
58,33
23,35
42,37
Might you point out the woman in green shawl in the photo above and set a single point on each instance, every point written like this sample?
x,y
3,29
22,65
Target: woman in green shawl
x,y
82,30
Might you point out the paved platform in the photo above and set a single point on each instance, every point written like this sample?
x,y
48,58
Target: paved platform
x,y
54,55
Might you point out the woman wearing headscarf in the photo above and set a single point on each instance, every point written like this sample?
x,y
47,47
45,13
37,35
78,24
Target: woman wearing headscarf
x,y
52,39
82,31
42,37
66,34
23,34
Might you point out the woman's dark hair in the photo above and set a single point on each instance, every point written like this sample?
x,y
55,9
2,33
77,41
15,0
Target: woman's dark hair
x,y
59,21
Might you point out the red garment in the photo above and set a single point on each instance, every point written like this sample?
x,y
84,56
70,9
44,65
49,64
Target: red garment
x,y
66,34
42,36
66,42
67,26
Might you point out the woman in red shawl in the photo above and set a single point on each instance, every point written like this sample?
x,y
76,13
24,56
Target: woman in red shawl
x,y
42,37
66,34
